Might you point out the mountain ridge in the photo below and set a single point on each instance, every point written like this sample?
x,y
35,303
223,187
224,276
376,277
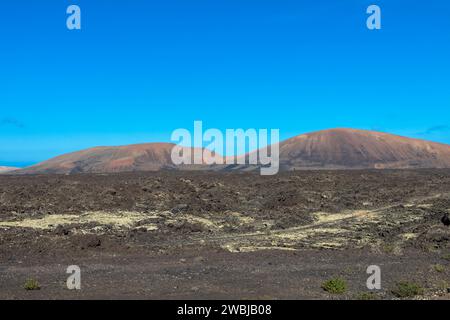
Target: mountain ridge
x,y
354,148
5,169
338,148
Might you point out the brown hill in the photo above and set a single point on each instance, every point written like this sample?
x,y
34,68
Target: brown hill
x,y
136,157
328,149
7,169
350,148
139,157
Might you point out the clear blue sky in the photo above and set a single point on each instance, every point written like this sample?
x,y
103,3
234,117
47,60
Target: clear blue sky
x,y
139,69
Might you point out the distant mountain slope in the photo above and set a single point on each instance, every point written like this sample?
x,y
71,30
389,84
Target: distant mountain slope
x,y
327,149
139,157
350,148
7,169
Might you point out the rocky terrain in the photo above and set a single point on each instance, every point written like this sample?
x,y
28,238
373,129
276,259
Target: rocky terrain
x,y
167,235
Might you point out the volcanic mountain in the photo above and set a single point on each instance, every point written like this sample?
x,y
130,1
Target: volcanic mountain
x,y
7,169
328,149
136,157
139,157
353,149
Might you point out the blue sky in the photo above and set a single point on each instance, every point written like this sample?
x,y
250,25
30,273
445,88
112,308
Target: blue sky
x,y
139,69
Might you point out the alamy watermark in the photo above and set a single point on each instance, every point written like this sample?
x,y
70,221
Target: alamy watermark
x,y
236,146
374,20
374,281
74,280
73,21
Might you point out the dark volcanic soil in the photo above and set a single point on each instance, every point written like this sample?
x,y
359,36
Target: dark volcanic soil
x,y
218,235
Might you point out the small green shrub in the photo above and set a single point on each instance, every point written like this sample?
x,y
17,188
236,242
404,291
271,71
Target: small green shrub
x,y
407,289
439,268
432,248
335,286
31,284
388,248
446,257
367,296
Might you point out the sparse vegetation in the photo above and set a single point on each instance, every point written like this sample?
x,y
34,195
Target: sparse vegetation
x,y
439,268
432,248
31,284
443,285
446,257
335,286
367,296
407,289
388,248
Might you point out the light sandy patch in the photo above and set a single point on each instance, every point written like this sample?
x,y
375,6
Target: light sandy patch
x,y
120,219
241,218
409,236
42,223
124,219
336,228
149,227
325,217
256,248
236,248
204,221
218,222
425,205
296,235
329,244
